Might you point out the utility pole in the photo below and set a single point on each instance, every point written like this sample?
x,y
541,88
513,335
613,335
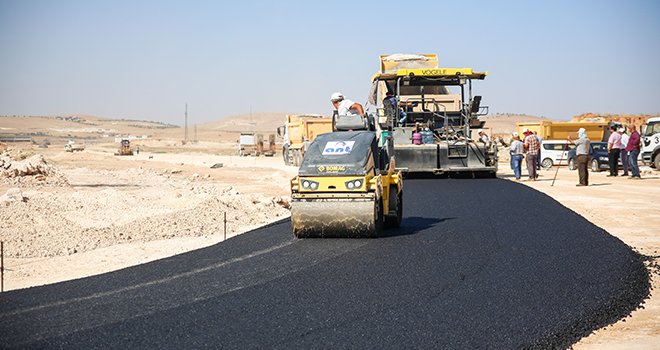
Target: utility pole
x,y
185,137
195,139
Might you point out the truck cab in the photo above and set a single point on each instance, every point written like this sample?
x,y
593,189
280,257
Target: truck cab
x,y
650,149
297,134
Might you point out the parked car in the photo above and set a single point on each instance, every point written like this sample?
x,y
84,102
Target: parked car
x,y
554,152
598,155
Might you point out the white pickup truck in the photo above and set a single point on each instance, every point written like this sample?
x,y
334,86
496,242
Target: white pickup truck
x,y
72,146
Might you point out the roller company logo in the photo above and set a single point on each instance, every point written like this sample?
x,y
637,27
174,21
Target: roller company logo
x,y
337,148
331,168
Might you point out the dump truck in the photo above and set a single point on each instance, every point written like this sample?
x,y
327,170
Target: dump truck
x,y
297,134
549,130
247,144
347,186
124,148
414,97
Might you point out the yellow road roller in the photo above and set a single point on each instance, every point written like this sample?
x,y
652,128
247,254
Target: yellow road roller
x,y
347,186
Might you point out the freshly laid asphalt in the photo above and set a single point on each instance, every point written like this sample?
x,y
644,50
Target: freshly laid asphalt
x,y
482,263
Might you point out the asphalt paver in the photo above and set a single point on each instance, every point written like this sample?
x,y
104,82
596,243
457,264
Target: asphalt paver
x,y
483,263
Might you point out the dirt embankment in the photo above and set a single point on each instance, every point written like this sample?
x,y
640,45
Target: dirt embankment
x,y
55,211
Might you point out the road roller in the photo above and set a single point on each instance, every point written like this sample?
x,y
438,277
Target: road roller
x,y
347,187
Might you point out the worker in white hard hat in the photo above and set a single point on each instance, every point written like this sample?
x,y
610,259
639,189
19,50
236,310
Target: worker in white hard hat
x,y
483,137
344,106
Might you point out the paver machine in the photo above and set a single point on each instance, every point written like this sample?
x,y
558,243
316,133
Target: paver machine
x,y
431,114
347,184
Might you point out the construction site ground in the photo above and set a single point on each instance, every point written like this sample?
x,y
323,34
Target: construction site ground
x,y
102,213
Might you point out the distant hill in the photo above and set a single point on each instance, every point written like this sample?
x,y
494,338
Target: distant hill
x,y
627,119
258,122
502,124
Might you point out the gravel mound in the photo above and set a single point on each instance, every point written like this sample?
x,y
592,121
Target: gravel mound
x,y
17,167
106,207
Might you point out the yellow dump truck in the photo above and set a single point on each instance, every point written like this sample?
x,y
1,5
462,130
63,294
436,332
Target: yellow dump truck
x,y
297,134
549,130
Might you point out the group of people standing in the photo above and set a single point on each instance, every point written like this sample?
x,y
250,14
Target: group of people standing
x,y
619,145
529,148
622,146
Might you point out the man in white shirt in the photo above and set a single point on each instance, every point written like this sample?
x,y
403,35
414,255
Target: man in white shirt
x,y
483,137
624,153
344,106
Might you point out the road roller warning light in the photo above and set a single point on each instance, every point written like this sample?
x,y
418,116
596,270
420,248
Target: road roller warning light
x,y
347,186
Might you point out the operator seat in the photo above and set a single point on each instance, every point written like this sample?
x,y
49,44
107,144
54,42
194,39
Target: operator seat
x,y
351,122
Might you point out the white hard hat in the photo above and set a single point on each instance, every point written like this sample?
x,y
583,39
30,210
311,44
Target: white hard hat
x,y
581,130
525,130
515,134
337,96
621,130
480,131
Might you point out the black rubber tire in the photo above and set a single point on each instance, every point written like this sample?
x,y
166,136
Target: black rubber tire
x,y
656,162
285,155
571,164
380,219
595,167
395,207
546,163
297,158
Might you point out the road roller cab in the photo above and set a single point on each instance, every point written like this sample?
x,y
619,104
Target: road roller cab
x,y
347,186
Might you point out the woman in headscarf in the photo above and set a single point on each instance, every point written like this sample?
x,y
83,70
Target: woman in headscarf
x,y
582,156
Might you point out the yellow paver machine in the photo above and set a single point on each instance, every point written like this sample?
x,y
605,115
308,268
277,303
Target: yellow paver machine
x,y
431,114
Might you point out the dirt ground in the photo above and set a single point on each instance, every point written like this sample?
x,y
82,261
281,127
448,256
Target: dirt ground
x,y
95,212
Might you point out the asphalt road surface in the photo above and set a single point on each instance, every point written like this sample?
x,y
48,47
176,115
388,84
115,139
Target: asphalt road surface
x,y
476,264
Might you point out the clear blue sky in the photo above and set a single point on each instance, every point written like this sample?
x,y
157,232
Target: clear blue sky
x,y
146,59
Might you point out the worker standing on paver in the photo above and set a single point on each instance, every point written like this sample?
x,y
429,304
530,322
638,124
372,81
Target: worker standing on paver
x,y
582,156
344,106
532,147
483,137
